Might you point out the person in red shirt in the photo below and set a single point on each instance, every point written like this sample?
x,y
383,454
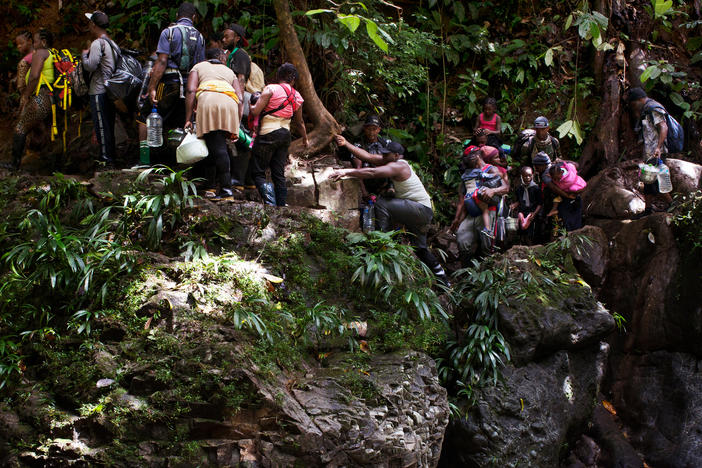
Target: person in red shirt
x,y
490,122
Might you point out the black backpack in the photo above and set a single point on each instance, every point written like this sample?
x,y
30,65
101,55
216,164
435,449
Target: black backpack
x,y
522,137
191,37
126,78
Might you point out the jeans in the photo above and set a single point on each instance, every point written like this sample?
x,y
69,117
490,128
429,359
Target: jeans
x,y
416,218
271,150
218,157
103,112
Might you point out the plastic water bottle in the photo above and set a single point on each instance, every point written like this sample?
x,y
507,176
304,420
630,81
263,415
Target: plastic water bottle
x,y
369,216
664,183
154,129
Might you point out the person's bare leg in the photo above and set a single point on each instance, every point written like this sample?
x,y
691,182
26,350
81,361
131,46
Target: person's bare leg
x,y
554,210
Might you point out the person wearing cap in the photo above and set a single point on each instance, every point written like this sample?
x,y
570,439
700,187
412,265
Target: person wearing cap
x,y
472,231
411,205
233,39
372,143
180,47
100,61
652,126
541,141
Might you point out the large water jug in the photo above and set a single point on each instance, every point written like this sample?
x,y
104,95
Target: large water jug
x,y
369,217
154,129
664,183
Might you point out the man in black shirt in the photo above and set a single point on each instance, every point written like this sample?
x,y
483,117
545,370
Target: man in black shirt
x,y
373,143
233,39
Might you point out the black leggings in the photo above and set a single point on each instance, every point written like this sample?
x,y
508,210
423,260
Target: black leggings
x,y
271,150
218,158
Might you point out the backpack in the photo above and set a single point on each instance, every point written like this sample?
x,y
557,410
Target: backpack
x,y
190,38
126,78
257,80
522,138
675,141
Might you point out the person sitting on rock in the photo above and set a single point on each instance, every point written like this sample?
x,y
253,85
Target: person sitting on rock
x,y
654,131
564,175
490,123
411,205
529,203
468,228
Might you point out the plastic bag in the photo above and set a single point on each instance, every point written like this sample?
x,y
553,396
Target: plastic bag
x,y
191,150
126,80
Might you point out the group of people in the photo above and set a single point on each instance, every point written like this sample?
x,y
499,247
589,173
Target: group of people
x,y
207,91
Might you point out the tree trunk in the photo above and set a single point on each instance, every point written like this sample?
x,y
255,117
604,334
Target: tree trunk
x,y
325,126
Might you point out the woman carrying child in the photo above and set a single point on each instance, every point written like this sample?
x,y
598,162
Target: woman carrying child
x,y
567,204
477,175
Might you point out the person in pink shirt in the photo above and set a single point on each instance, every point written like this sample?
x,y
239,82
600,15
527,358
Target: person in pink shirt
x,y
565,176
278,106
490,122
25,46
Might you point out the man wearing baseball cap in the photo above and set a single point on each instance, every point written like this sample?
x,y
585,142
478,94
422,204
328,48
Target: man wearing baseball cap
x,y
100,61
233,39
542,141
411,205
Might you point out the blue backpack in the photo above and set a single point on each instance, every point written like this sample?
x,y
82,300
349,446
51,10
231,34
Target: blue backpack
x,y
676,136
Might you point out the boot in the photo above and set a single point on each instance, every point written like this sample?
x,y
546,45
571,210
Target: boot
x,y
18,142
267,193
281,193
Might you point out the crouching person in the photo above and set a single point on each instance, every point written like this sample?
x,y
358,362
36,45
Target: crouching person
x,y
411,205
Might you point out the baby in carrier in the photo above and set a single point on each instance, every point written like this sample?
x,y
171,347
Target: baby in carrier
x,y
565,176
474,178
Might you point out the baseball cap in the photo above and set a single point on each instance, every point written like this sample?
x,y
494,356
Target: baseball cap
x,y
372,119
240,31
541,122
100,18
393,147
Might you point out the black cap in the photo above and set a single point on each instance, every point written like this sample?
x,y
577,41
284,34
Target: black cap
x,y
100,18
393,147
635,94
240,31
372,119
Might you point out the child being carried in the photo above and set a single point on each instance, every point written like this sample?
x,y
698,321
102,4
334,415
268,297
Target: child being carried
x,y
477,176
565,176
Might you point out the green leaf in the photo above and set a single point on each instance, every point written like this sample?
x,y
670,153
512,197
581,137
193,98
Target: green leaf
x,y
548,57
316,12
646,74
565,128
569,21
350,21
577,132
372,30
661,7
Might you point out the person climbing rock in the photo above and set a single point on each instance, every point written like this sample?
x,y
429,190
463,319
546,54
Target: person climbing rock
x,y
279,104
472,231
218,94
35,101
528,205
541,141
411,205
653,129
100,62
568,206
180,48
373,143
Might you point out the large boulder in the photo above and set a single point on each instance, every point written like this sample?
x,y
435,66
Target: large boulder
x,y
527,421
659,396
686,176
309,186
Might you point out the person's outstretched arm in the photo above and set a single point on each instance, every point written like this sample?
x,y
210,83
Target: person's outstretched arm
x,y
360,153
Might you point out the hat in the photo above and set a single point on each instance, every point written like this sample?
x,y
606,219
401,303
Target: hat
x,y
100,18
541,122
469,149
635,94
393,147
541,158
372,119
240,31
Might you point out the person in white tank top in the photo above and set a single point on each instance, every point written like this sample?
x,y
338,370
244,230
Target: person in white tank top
x,y
410,207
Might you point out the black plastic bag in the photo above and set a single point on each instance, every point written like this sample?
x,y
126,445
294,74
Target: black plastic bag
x,y
127,78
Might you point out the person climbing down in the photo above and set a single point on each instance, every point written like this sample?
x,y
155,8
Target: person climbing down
x,y
25,46
541,142
35,101
219,96
565,176
279,104
529,203
490,123
653,129
100,61
411,205
479,174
